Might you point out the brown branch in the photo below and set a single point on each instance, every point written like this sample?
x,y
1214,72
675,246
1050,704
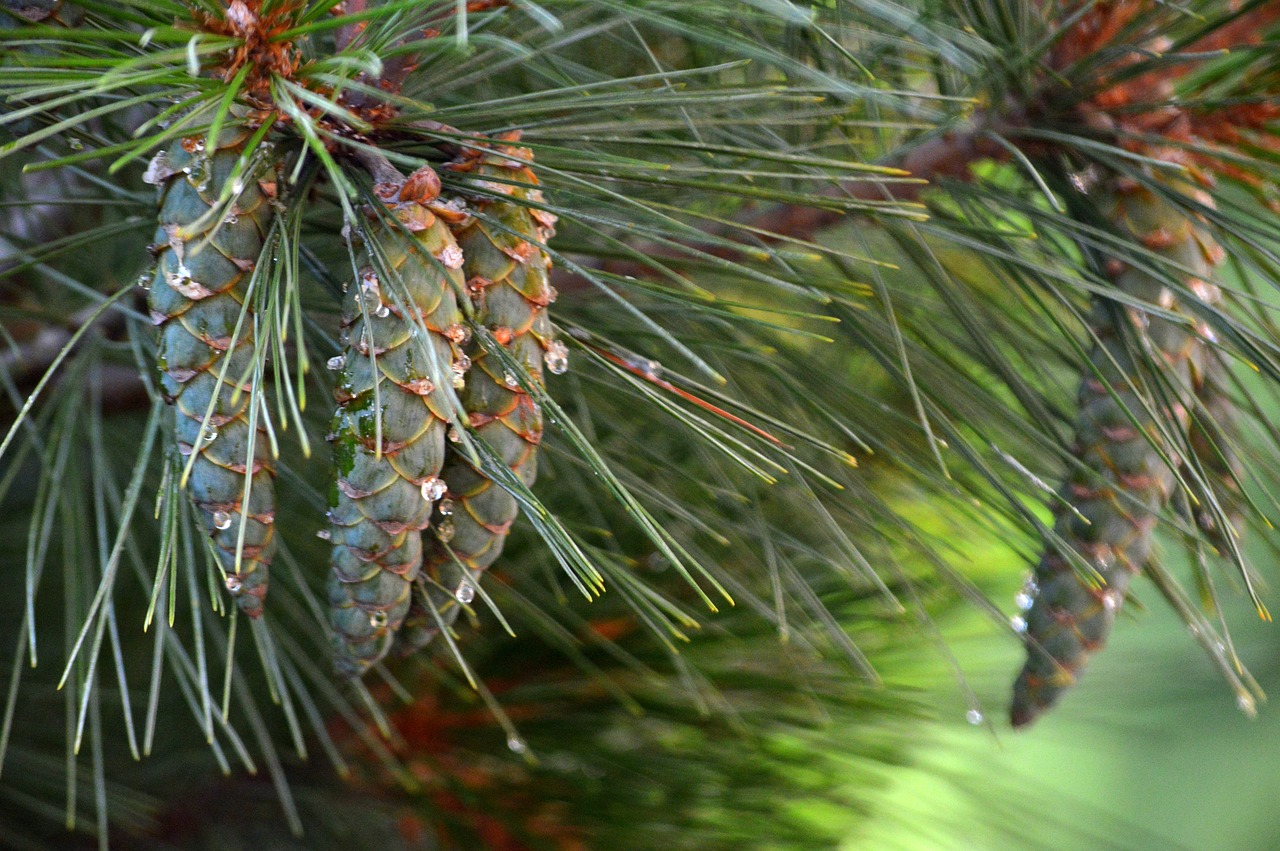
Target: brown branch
x,y
949,155
378,166
347,33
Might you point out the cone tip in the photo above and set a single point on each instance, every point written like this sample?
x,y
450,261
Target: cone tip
x,y
1021,715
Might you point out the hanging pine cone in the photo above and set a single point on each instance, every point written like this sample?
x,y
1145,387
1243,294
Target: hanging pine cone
x,y
508,279
1213,433
1128,413
206,254
391,378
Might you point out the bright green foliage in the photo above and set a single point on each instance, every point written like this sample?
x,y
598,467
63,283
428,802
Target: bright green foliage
x,y
400,326
507,278
1125,471
208,245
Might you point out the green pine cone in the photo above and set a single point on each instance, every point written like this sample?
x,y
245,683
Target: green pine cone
x,y
1122,481
382,500
205,261
1213,429
508,279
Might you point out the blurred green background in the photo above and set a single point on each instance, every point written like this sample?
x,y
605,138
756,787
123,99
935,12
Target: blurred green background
x,y
1149,751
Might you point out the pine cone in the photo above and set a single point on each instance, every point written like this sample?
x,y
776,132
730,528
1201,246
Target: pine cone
x,y
206,255
508,279
383,494
1124,477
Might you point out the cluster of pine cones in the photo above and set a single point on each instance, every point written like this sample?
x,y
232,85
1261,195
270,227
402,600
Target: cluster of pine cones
x,y
445,338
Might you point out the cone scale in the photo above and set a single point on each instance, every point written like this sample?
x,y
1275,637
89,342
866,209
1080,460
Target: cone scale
x,y
206,254
1123,478
399,323
509,285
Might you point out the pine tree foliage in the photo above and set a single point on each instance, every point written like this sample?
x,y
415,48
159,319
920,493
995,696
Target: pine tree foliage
x,y
584,238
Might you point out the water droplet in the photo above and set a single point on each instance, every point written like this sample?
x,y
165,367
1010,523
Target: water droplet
x,y
144,281
974,717
510,380
382,311
1247,705
336,362
517,744
466,592
1111,601
557,357
221,520
458,333
462,364
1084,180
1024,600
230,219
451,257
1019,624
433,489
75,144
378,619
234,584
324,534
445,507
445,530
369,282
198,172
454,435
210,435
